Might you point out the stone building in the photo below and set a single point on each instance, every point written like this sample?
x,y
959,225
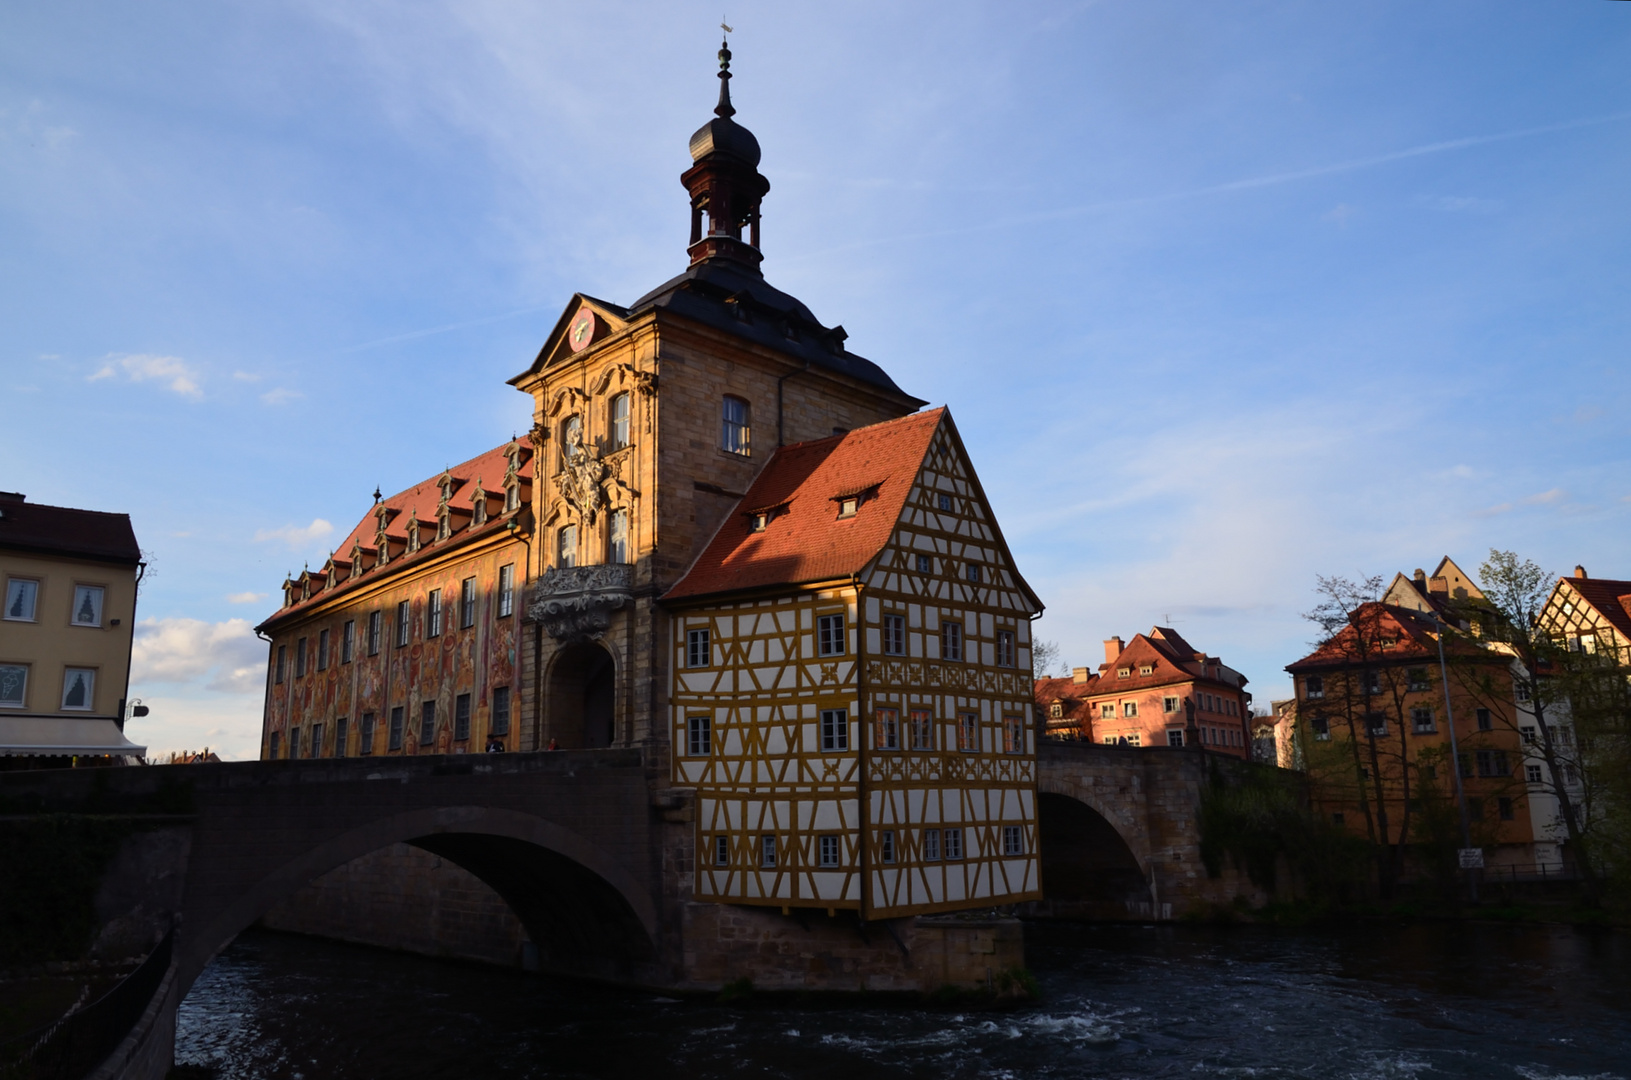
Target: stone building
x,y
66,633
1156,690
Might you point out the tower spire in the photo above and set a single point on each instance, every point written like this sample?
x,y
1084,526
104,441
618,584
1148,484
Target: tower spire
x,y
725,108
724,182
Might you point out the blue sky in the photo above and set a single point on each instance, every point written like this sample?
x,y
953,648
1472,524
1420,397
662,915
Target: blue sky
x,y
1222,296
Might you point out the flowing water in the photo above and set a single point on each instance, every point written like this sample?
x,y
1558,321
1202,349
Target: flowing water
x,y
1377,1000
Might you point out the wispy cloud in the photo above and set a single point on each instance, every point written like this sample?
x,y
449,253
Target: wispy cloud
x,y
281,396
245,597
179,376
1545,498
1459,204
245,376
296,536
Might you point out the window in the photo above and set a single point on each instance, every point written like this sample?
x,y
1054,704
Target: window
x,y
461,718
1146,669
951,641
972,570
722,851
375,619
348,640
767,851
699,738
835,729
1107,711
1175,737
1013,840
952,843
403,624
894,635
1314,687
277,670
1492,763
921,729
830,635
886,846
22,597
1418,679
1531,774
618,422
566,546
1124,673
1376,723
1484,722
617,537
1421,719
1520,691
759,522
500,724
945,502
1013,735
395,740
427,724
1504,808
829,851
13,685
433,613
848,507
506,591
87,605
571,434
300,658
1527,732
294,743
365,735
1129,709
931,845
1005,648
1169,704
968,732
467,603
1322,727
925,564
316,740
1056,710
1371,682
698,652
886,729
272,747
322,650
340,734
736,431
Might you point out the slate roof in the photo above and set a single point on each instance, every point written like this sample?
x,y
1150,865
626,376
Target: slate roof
x,y
1612,599
805,540
62,530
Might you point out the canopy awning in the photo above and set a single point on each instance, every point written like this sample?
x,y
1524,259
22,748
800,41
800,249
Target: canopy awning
x,y
62,735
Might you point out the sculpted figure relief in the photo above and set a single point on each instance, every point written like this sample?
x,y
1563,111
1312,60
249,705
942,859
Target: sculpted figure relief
x,y
581,475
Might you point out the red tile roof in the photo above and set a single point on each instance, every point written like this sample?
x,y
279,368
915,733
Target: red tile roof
x,y
1414,634
62,530
1612,599
805,539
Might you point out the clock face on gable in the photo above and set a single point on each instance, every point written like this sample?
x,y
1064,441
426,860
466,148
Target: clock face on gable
x,y
582,330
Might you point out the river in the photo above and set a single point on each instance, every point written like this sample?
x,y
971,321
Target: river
x,y
1377,1000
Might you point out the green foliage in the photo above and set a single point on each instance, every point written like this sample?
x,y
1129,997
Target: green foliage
x,y
1262,818
51,866
1015,984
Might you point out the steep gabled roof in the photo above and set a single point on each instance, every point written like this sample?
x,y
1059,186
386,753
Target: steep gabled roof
x,y
805,540
1611,598
63,530
1414,635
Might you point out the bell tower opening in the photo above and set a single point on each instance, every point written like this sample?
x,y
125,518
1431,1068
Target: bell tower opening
x,y
582,698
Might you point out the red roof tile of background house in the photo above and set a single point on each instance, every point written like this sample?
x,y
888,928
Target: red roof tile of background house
x,y
1612,599
63,530
806,540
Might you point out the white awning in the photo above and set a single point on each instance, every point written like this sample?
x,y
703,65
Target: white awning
x,y
63,735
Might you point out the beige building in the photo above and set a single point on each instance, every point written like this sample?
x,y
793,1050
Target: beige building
x,y
65,632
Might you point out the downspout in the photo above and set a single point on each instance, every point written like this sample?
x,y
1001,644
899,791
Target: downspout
x,y
781,379
266,699
861,760
130,650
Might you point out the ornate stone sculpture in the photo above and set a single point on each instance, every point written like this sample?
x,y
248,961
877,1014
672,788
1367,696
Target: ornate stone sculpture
x,y
575,603
580,478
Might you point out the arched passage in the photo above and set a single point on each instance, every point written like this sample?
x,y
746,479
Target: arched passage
x,y
582,697
586,911
1088,870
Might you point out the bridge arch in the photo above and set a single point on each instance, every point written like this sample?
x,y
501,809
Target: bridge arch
x,y
1095,858
578,902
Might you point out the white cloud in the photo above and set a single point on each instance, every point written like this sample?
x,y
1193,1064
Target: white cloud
x,y
244,376
1546,497
224,657
281,396
296,536
172,370
1461,204
245,597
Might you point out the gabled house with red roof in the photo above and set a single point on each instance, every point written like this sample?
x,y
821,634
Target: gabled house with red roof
x,y
850,697
1156,690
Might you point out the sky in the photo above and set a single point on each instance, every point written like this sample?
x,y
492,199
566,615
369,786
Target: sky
x,y
1222,297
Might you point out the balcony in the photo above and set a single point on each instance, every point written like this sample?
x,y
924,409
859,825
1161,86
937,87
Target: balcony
x,y
575,603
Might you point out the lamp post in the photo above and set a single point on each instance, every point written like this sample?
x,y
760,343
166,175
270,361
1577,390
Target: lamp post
x,y
1455,756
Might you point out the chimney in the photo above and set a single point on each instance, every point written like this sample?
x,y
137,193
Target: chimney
x,y
1579,571
1112,649
13,496
1080,675
1440,585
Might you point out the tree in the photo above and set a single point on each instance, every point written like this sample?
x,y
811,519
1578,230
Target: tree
x,y
1045,660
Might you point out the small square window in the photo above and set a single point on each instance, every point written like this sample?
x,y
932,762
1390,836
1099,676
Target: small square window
x,y
87,605
830,635
1421,718
973,572
945,502
1124,673
1147,669
1129,708
1107,711
1170,704
830,851
698,649
834,729
931,845
1527,733
1314,687
952,843
847,507
79,689
894,635
699,740
1531,773
22,597
1175,737
925,564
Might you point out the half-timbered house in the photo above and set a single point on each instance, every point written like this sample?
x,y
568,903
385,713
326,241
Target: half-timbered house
x,y
851,697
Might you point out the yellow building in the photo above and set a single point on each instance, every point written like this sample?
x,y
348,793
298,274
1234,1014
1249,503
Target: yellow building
x,y
851,687
65,631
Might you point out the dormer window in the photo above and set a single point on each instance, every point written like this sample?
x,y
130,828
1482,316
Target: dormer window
x,y
759,522
1147,669
444,524
413,532
847,507
1124,673
478,506
512,497
1056,710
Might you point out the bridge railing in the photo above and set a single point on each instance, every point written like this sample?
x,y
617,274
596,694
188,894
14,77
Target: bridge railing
x,y
73,1046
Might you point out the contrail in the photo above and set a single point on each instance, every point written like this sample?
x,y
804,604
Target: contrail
x,y
431,331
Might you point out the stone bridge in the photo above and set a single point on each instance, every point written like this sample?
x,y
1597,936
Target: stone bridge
x,y
591,852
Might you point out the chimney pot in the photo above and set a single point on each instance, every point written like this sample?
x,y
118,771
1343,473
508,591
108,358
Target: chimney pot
x,y
1579,571
1080,674
1112,649
1421,575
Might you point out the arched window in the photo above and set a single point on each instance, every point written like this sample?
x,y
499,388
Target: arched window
x,y
617,537
618,421
571,434
566,547
736,426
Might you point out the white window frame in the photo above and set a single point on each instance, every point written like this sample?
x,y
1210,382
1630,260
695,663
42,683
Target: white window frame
x,y
951,641
736,425
21,683
931,845
96,595
831,851
566,546
89,676
1013,840
894,635
767,851
506,591
16,589
699,735
1006,654
834,731
952,844
699,649
618,414
830,635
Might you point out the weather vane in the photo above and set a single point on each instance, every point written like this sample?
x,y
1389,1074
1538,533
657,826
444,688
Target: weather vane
x,y
722,26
